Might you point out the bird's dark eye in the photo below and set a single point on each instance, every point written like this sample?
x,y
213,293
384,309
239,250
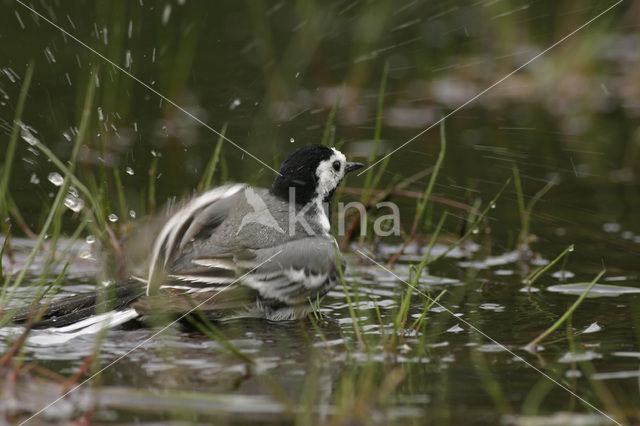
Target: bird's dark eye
x,y
336,166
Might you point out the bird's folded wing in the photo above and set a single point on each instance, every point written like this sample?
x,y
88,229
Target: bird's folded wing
x,y
288,273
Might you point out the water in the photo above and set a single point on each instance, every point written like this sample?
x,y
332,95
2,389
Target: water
x,y
273,73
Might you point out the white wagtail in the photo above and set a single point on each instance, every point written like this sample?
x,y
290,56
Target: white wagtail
x,y
239,251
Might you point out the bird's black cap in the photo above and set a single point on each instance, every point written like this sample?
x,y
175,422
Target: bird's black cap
x,y
299,171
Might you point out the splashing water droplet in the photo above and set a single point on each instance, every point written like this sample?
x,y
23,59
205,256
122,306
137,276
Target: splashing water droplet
x,y
49,55
166,14
132,214
90,239
55,178
73,203
292,140
34,179
113,218
129,171
235,103
27,136
100,114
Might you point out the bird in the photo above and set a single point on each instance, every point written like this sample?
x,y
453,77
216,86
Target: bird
x,y
235,251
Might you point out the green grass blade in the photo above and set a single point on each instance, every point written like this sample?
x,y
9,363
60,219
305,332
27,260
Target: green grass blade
x,y
531,346
13,140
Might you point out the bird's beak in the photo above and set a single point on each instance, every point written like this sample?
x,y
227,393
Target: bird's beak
x,y
353,166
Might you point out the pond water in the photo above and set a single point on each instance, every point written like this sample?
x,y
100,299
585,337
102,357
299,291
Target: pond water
x,y
273,74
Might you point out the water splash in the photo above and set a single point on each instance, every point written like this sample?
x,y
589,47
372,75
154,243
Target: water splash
x,y
26,133
73,202
55,178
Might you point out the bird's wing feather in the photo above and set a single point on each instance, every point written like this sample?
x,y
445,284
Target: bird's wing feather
x,y
203,212
287,273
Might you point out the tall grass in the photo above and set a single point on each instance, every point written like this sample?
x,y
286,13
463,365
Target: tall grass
x,y
9,288
11,148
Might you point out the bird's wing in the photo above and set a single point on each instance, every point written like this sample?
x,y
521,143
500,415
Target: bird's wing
x,y
200,215
288,273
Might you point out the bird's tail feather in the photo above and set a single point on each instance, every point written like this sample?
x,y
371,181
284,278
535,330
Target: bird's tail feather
x,y
90,325
70,311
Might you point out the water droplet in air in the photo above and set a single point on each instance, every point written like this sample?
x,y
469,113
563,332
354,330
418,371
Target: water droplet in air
x,y
90,239
49,55
10,74
132,213
475,231
100,114
113,218
73,203
166,14
55,178
235,103
66,136
34,179
292,140
27,136
129,171
19,20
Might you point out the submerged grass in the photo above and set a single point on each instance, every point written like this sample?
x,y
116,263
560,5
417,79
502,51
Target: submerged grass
x,y
532,345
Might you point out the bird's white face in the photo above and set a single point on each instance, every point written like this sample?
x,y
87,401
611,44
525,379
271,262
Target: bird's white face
x,y
330,172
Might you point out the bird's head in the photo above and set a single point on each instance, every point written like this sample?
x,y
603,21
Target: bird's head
x,y
314,171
